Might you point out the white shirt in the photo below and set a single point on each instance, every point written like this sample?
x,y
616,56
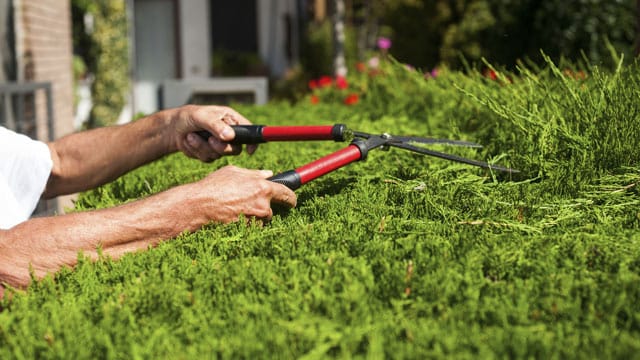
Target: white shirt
x,y
25,166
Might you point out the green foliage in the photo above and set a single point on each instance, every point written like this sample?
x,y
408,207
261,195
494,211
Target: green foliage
x,y
399,256
105,49
316,60
428,33
317,48
236,63
586,26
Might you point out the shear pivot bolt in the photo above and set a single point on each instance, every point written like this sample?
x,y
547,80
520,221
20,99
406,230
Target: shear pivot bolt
x,y
385,136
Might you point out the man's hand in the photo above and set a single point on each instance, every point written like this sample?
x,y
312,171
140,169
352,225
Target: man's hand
x,y
226,194
214,119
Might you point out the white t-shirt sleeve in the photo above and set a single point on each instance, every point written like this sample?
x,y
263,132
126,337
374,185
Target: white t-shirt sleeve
x,y
25,166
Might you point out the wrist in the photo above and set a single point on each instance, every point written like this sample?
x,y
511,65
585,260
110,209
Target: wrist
x,y
192,205
164,123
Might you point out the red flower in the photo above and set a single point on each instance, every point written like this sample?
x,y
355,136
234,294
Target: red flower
x,y
352,99
491,74
579,75
314,99
341,82
361,67
325,81
313,84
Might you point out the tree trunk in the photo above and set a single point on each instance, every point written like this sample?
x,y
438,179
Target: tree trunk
x,y
364,25
339,62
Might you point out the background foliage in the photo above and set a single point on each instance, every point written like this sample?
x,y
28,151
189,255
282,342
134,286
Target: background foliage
x,y
430,33
399,256
104,47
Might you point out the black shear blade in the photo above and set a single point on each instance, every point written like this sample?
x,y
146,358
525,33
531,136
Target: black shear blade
x,y
454,158
421,140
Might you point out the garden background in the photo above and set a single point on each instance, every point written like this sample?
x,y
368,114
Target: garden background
x,y
401,255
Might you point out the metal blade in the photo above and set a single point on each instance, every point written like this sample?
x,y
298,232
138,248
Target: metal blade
x,y
453,157
422,140
361,134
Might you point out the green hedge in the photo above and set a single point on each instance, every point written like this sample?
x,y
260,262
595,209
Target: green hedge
x,y
400,256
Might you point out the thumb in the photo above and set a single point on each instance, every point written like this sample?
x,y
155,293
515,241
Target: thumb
x,y
222,131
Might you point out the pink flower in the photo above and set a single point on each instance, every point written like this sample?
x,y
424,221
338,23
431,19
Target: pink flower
x,y
374,62
432,74
384,43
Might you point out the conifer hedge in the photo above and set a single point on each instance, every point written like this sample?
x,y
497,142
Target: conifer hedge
x,y
400,256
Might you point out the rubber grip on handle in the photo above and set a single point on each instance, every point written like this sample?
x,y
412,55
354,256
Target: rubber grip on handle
x,y
290,179
245,134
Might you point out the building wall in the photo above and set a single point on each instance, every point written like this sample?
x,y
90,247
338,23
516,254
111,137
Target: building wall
x,y
272,34
195,42
44,52
6,48
194,48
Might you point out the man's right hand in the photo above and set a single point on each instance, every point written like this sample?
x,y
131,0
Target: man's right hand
x,y
229,192
217,120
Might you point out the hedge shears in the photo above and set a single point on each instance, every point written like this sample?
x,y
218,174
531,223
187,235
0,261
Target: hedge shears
x,y
361,144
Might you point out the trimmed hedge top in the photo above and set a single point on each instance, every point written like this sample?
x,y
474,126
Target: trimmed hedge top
x,y
400,256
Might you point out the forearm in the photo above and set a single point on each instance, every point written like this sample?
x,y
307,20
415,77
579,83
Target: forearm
x,y
47,244
91,158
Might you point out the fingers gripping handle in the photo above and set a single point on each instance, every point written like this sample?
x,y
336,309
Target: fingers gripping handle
x,y
245,134
256,134
293,179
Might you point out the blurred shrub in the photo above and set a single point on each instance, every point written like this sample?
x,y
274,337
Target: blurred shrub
x,y
427,33
237,63
316,60
317,49
105,50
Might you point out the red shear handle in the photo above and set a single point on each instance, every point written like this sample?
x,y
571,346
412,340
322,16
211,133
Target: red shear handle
x,y
255,134
293,179
296,133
